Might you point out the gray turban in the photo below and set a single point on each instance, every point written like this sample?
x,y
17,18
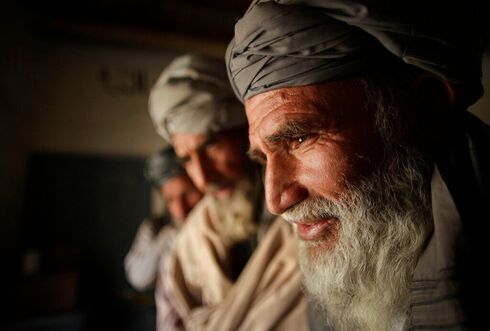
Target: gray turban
x,y
161,167
299,42
193,95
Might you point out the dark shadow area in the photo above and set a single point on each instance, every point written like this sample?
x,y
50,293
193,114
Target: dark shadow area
x,y
81,213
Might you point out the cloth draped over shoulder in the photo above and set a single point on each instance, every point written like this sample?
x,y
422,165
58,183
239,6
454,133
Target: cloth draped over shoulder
x,y
281,43
267,294
193,95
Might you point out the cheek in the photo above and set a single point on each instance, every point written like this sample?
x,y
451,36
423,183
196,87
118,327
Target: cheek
x,y
324,171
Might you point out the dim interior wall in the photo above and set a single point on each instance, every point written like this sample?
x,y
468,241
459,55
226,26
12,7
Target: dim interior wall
x,y
70,98
94,100
12,163
17,61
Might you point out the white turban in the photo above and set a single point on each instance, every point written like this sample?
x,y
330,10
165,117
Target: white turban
x,y
193,95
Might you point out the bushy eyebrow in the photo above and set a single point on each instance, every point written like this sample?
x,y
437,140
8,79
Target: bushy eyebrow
x,y
290,130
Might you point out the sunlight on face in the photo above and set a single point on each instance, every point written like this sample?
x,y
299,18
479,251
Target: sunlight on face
x,y
313,141
362,216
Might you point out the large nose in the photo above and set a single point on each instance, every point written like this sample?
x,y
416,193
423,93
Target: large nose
x,y
282,190
202,171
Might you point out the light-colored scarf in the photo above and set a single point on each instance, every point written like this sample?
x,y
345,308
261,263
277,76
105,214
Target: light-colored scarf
x,y
266,295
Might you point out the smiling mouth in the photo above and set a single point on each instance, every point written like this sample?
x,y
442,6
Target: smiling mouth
x,y
316,229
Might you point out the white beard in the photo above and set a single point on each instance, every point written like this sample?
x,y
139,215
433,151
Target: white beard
x,y
362,281
236,213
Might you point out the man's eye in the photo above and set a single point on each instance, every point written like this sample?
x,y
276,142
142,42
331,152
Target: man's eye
x,y
295,142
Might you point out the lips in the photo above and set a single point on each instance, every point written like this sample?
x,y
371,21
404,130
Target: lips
x,y
314,230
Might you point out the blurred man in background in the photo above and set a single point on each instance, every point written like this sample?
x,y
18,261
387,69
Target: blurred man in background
x,y
357,111
156,235
220,279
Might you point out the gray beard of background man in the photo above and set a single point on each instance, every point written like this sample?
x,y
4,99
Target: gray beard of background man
x,y
362,281
236,212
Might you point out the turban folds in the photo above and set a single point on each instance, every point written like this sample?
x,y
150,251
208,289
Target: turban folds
x,y
193,95
300,42
161,167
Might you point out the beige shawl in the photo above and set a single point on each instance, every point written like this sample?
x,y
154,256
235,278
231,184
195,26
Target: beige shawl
x,y
267,294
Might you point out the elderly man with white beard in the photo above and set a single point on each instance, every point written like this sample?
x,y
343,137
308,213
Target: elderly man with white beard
x,y
357,111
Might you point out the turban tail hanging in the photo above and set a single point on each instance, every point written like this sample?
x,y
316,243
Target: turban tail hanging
x,y
299,42
193,95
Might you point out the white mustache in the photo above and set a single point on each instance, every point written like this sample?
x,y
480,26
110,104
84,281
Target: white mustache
x,y
309,210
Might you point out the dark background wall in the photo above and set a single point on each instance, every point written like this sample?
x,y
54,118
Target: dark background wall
x,y
80,215
92,204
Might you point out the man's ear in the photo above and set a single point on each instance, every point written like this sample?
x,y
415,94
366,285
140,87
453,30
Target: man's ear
x,y
433,104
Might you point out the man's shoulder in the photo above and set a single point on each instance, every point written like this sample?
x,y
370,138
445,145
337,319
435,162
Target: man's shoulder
x,y
198,213
196,223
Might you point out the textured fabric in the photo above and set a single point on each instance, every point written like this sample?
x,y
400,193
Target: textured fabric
x,y
167,317
193,95
200,263
161,167
265,296
435,290
299,42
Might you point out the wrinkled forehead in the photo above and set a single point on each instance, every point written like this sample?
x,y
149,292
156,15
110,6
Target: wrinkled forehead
x,y
287,99
324,100
269,113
